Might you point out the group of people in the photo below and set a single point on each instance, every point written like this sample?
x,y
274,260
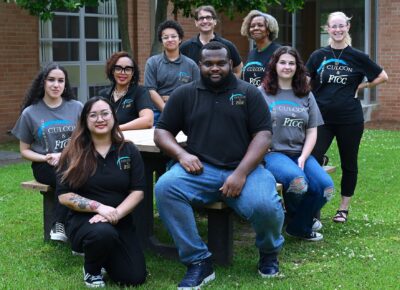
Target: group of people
x,y
248,127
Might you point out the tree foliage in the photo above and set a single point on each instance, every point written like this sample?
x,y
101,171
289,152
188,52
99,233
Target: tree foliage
x,y
44,9
232,6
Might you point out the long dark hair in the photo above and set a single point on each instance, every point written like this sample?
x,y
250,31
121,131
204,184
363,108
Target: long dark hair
x,y
300,84
78,160
36,91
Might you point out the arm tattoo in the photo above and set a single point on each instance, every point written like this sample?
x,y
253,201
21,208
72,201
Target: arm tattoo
x,y
83,203
94,205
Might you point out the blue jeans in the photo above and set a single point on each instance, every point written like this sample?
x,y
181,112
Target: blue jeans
x,y
305,192
259,203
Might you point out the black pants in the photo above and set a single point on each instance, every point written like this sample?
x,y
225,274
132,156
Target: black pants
x,y
45,173
348,138
116,248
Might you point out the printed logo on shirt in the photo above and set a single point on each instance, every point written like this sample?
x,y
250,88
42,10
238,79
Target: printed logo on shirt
x,y
256,68
335,67
127,104
238,99
124,163
286,106
184,77
289,122
60,132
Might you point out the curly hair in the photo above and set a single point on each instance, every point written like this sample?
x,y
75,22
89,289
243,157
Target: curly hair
x,y
300,84
169,24
37,89
270,23
80,152
112,60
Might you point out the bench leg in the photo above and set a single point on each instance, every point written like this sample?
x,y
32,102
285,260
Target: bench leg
x,y
48,207
220,235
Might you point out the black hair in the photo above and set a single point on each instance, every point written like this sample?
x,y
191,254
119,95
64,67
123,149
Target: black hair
x,y
170,24
215,45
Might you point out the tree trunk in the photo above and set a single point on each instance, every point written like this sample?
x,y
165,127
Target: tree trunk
x,y
123,25
161,15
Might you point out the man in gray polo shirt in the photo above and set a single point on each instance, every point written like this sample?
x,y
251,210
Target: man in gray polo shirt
x,y
168,70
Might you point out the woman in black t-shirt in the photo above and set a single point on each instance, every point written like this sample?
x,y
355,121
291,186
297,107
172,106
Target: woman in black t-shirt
x,y
263,29
101,179
337,73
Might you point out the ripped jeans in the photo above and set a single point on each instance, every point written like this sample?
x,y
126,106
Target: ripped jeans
x,y
305,192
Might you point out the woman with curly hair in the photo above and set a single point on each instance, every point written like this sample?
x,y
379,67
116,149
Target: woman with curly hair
x,y
131,101
295,117
102,196
263,29
49,115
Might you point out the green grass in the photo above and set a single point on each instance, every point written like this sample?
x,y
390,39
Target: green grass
x,y
364,253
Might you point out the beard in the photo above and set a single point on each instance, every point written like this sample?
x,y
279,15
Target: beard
x,y
219,84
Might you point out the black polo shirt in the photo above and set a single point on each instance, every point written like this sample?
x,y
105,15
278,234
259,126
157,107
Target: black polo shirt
x,y
128,107
219,124
116,176
191,48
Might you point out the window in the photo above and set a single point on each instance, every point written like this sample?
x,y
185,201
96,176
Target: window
x,y
81,41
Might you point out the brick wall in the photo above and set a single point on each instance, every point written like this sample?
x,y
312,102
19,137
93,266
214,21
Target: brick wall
x,y
388,58
19,61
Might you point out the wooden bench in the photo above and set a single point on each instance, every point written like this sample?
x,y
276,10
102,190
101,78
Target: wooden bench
x,y
220,227
48,203
219,215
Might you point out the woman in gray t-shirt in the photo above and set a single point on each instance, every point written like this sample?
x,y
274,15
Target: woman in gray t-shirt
x,y
49,115
295,117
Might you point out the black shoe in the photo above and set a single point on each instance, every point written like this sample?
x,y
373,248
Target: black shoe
x,y
93,281
197,274
57,233
268,265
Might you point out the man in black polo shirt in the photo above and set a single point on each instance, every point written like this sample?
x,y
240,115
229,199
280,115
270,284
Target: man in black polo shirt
x,y
205,21
228,126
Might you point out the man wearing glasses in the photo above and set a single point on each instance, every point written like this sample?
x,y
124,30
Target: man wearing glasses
x,y
168,70
205,21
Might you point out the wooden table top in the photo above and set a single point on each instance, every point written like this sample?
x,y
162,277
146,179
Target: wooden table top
x,y
143,139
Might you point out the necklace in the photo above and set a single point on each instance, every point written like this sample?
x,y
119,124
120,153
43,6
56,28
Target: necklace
x,y
117,97
337,58
119,94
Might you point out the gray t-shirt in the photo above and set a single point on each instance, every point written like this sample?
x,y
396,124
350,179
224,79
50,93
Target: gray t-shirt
x,y
291,117
46,129
164,76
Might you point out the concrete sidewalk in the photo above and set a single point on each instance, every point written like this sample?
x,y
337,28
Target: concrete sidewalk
x,y
9,157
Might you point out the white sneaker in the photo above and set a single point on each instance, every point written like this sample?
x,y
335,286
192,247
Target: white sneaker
x,y
57,233
93,281
312,237
317,225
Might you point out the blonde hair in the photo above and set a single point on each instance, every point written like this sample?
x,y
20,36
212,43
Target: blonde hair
x,y
347,38
270,23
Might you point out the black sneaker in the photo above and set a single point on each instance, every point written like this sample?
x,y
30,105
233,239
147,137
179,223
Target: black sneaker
x,y
197,274
268,265
57,233
93,281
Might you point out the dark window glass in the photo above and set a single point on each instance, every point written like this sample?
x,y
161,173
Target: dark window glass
x,y
91,27
92,51
65,27
65,51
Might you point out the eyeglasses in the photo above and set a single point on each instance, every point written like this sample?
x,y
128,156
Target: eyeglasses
x,y
166,37
126,70
341,26
208,18
105,115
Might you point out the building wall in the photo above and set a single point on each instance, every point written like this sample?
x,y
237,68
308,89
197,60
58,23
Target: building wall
x,y
19,61
19,53
388,58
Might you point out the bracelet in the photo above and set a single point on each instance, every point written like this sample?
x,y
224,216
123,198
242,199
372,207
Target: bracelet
x,y
367,85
